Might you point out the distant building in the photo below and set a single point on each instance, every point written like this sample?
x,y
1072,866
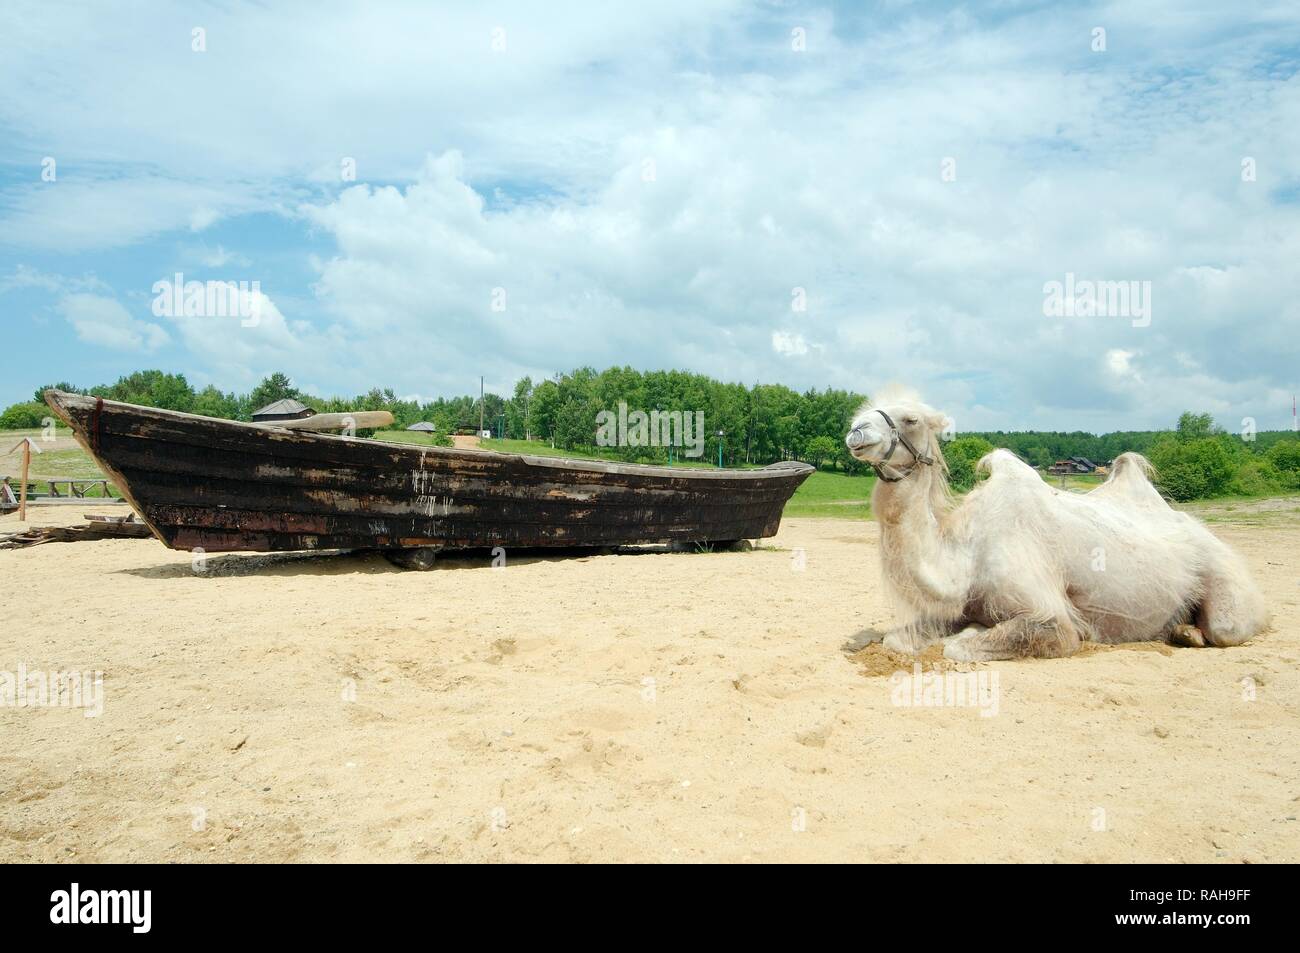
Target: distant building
x,y
286,409
423,427
1074,465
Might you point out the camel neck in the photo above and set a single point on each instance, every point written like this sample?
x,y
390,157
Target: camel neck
x,y
904,501
918,563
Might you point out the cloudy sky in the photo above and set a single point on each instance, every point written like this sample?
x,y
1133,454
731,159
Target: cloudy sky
x,y
806,194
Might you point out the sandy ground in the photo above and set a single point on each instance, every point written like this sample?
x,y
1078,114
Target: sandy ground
x,y
662,707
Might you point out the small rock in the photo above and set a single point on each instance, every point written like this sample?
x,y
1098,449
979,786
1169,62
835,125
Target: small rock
x,y
1161,732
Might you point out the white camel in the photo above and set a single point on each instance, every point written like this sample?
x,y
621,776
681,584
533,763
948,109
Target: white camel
x,y
1017,568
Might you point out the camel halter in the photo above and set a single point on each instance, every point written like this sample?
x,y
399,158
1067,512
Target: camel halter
x,y
896,437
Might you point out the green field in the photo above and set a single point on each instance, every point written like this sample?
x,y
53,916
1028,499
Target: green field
x,y
64,460
406,436
836,495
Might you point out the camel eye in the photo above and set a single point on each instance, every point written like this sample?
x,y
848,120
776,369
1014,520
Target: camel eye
x,y
911,421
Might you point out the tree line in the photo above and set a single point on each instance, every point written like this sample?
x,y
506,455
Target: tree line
x,y
743,426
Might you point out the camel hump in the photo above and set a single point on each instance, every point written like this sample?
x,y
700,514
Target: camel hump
x,y
1131,466
1130,475
1002,461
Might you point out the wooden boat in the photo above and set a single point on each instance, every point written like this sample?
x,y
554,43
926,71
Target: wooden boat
x,y
220,485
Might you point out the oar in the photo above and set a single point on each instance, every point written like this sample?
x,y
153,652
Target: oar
x,y
357,420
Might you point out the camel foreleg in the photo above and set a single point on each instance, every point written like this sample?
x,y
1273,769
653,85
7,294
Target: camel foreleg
x,y
1021,637
912,638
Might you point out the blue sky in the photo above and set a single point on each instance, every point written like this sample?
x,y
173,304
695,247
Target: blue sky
x,y
651,186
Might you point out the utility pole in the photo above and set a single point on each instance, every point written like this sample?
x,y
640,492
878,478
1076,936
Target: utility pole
x,y
480,405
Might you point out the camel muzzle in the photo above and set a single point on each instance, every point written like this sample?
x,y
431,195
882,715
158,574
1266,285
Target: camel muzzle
x,y
860,437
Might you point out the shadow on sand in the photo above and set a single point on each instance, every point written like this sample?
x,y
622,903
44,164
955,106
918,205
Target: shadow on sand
x,y
369,561
861,640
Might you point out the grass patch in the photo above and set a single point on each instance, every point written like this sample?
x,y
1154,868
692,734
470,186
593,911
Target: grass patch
x,y
1079,482
408,436
68,464
10,437
61,465
837,495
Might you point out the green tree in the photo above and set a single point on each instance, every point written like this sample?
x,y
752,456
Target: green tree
x,y
211,402
24,416
1284,456
1195,426
152,388
39,396
276,386
1256,477
961,456
820,450
1192,469
543,409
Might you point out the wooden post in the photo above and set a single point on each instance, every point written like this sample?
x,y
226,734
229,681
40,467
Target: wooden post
x,y
22,489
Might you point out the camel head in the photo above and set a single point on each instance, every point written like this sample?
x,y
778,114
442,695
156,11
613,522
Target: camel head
x,y
895,433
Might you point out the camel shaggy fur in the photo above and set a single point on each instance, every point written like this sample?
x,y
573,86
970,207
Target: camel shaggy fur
x,y
1017,568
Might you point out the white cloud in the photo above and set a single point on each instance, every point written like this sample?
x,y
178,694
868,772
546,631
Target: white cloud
x,y
104,322
771,170
783,342
1120,362
25,276
94,213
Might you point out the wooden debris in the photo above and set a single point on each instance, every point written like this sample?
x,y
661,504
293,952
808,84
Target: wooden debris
x,y
99,527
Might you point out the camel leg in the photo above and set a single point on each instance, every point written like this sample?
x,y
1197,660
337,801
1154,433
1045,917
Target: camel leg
x,y
1021,637
1232,609
912,638
1186,635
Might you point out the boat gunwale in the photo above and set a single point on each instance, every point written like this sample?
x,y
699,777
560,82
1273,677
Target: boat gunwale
x,y
62,402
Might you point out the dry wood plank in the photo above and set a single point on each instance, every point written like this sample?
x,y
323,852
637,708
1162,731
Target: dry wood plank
x,y
355,420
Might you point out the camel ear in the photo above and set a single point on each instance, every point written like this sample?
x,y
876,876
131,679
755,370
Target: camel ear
x,y
941,424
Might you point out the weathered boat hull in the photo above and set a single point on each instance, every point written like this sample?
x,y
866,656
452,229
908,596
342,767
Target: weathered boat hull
x,y
218,485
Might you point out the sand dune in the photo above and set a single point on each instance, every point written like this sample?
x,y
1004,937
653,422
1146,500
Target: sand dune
x,y
660,707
